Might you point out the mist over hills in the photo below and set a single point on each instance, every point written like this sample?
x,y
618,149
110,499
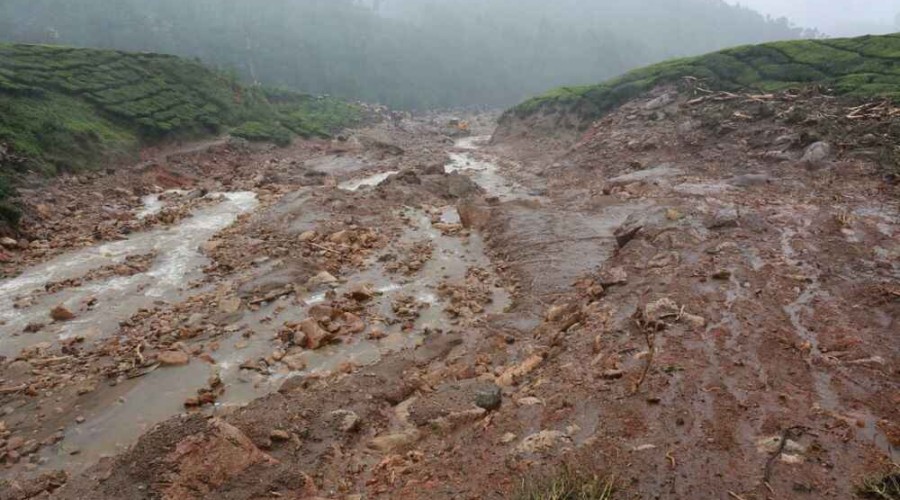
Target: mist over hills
x,y
411,54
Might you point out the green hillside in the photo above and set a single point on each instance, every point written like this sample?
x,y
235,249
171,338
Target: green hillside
x,y
67,109
864,67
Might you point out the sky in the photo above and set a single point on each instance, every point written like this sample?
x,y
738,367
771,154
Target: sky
x,y
833,17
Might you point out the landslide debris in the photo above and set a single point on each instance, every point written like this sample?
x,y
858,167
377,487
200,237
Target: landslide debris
x,y
863,67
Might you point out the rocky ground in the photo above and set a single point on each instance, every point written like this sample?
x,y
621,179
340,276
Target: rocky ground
x,y
699,299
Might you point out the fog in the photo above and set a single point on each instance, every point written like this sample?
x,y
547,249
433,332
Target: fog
x,y
834,17
418,54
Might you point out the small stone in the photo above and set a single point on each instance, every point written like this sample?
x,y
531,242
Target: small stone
x,y
79,419
316,336
173,358
295,362
230,306
361,292
279,435
722,275
323,278
507,438
816,154
8,242
347,421
15,443
694,320
61,313
613,276
307,236
391,443
489,398
661,309
612,374
543,441
33,327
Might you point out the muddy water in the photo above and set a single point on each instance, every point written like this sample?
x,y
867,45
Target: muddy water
x,y
117,416
100,305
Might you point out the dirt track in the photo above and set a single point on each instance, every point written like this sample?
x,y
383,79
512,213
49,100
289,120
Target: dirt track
x,y
679,301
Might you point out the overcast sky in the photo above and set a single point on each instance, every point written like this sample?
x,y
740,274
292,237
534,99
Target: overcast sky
x,y
834,17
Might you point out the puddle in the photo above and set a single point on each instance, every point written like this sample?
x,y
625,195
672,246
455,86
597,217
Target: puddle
x,y
370,181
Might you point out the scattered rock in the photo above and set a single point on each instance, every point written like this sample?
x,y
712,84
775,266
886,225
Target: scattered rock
x,y
391,443
656,312
295,362
542,442
61,313
612,374
323,278
659,102
489,398
613,276
654,174
8,242
279,435
361,292
722,275
316,336
723,219
230,306
816,154
747,180
345,420
694,320
173,358
202,462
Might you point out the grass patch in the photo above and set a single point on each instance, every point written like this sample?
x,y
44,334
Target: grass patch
x,y
68,109
567,484
886,487
863,67
263,132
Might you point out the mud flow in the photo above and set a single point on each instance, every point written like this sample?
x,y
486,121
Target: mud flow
x,y
679,305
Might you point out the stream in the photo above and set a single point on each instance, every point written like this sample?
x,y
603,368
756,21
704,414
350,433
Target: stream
x,y
116,416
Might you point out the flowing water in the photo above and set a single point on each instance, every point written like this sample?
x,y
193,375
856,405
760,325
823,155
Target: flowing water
x,y
117,416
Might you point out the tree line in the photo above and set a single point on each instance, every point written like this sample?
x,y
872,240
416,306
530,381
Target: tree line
x,y
410,54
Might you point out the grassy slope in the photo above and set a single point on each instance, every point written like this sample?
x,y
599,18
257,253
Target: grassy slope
x,y
65,109
864,67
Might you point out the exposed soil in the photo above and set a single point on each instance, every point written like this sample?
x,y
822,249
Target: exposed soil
x,y
699,299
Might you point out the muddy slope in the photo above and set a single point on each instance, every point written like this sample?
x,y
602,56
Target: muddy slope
x,y
699,299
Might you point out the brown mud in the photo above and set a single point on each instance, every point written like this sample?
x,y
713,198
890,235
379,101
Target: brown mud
x,y
698,300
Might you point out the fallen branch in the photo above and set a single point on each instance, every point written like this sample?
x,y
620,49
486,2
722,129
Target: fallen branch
x,y
12,390
321,247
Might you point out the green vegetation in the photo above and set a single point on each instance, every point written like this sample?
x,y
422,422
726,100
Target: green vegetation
x,y
67,109
868,66
567,484
410,54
